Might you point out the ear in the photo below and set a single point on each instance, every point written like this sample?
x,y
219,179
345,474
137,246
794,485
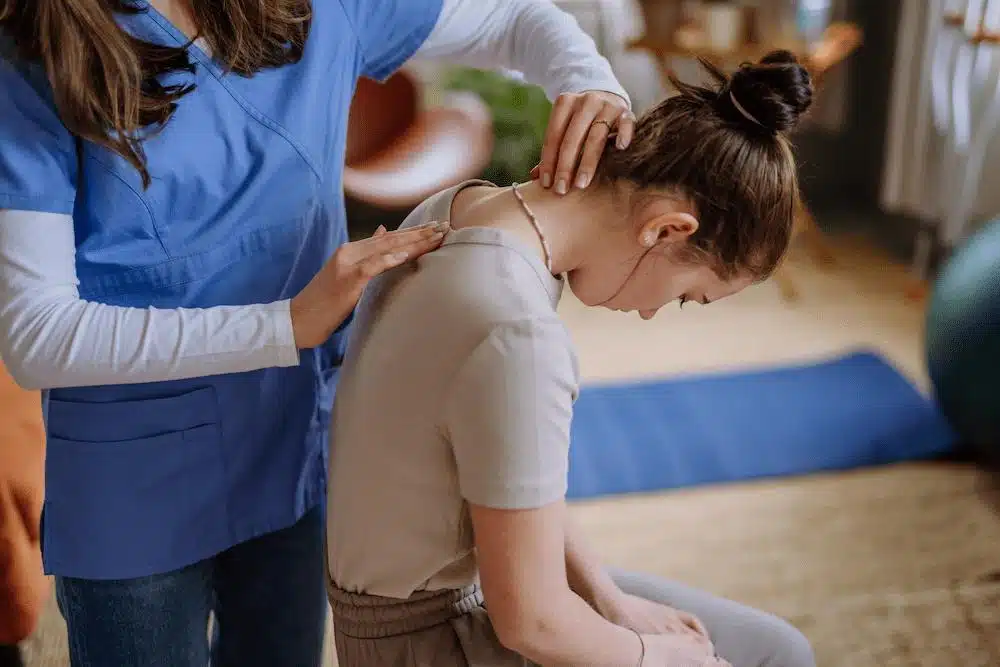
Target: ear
x,y
672,227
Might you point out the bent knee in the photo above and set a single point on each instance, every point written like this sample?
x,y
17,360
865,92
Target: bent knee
x,y
786,645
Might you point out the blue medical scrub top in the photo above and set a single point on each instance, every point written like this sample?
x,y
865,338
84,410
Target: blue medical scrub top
x,y
245,206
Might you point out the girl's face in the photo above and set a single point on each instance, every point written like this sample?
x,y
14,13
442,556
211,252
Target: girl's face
x,y
647,269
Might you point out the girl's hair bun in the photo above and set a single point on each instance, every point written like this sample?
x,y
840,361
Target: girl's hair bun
x,y
771,94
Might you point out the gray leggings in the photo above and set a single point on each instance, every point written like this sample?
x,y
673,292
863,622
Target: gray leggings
x,y
744,636
452,628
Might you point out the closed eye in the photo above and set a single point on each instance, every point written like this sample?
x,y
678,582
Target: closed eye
x,y
704,301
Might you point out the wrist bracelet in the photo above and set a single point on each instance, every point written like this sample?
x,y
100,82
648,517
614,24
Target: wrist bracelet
x,y
642,647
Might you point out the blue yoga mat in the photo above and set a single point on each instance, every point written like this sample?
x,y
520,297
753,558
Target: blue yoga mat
x,y
846,413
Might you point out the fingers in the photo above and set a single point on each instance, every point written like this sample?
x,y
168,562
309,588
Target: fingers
x,y
559,119
377,264
394,255
421,247
387,242
597,136
382,238
572,143
626,129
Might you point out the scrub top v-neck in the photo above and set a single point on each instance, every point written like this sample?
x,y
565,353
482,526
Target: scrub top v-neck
x,y
244,206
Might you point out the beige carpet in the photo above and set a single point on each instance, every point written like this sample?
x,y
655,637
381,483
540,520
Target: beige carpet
x,y
894,567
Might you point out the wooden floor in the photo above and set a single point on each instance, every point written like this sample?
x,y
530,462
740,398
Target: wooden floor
x,y
894,566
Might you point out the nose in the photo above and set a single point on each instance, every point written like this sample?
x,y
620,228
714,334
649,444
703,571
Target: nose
x,y
648,314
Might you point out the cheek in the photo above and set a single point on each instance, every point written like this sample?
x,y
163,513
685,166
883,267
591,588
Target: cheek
x,y
657,283
652,284
655,289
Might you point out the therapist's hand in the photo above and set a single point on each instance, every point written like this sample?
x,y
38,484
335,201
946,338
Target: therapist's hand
x,y
579,127
331,296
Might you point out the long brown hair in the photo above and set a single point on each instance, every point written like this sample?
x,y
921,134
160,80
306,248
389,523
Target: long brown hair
x,y
106,83
724,147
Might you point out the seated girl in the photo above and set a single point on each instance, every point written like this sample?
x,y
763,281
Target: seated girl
x,y
452,417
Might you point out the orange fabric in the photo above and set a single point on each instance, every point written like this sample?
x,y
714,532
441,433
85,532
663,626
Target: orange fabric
x,y
23,586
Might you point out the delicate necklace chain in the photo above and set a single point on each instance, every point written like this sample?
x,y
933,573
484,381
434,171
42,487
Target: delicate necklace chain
x,y
534,223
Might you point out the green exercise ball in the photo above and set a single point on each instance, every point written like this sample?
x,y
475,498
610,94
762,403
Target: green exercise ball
x,y
963,340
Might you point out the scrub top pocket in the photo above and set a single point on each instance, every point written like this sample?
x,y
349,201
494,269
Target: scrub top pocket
x,y
115,470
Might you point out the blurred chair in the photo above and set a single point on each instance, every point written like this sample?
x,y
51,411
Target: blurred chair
x,y
399,152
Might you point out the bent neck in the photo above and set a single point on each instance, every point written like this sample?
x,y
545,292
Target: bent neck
x,y
573,225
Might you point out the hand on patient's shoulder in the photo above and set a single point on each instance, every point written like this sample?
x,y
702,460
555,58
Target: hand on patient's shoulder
x,y
331,296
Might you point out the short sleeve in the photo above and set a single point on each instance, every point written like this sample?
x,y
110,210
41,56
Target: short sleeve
x,y
390,31
38,160
508,415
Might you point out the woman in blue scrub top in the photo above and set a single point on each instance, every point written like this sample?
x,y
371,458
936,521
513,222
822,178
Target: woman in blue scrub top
x,y
175,276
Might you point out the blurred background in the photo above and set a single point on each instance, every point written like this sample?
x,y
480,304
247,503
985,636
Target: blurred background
x,y
822,445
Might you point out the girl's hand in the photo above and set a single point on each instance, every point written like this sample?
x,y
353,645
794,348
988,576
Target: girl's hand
x,y
675,650
648,617
578,128
331,296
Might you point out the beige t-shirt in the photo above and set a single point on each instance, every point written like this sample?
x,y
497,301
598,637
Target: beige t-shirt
x,y
457,388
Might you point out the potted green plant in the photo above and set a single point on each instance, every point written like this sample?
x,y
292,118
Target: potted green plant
x,y
520,116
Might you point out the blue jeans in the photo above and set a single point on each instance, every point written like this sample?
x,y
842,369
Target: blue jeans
x,y
268,596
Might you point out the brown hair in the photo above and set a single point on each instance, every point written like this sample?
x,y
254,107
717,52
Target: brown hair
x,y
105,82
724,148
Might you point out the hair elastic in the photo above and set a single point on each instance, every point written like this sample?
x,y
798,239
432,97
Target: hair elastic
x,y
743,112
